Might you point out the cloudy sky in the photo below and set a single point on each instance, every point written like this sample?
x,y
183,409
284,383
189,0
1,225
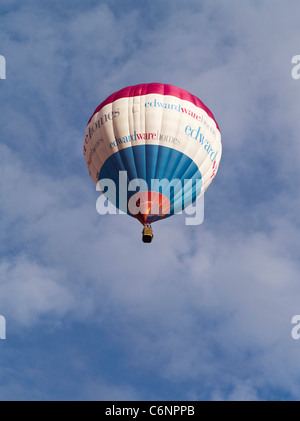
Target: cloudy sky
x,y
204,312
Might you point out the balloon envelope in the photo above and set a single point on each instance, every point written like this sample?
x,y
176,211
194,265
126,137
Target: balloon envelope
x,y
159,145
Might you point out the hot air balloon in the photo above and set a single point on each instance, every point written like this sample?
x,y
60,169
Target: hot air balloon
x,y
159,145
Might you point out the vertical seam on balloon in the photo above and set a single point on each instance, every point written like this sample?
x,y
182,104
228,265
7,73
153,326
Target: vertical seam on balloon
x,y
129,99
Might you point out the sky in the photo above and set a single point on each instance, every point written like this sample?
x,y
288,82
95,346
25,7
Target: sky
x,y
204,312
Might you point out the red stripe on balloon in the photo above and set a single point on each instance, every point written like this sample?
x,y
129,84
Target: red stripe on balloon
x,y
154,88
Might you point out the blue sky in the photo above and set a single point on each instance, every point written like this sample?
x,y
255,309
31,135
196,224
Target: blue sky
x,y
204,313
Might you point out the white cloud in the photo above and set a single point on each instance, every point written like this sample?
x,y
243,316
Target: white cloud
x,y
30,292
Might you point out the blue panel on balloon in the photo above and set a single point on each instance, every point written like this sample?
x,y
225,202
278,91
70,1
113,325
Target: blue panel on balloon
x,y
165,170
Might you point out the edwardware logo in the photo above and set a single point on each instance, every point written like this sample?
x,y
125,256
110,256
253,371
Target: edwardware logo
x,y
2,327
2,67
